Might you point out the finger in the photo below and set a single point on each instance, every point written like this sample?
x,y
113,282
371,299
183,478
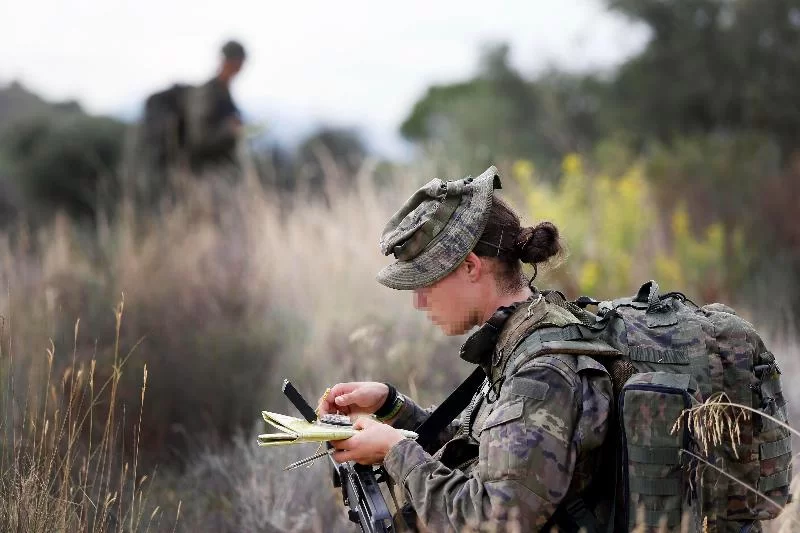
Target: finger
x,y
339,444
362,396
328,407
327,403
341,394
363,422
344,456
344,400
339,389
323,407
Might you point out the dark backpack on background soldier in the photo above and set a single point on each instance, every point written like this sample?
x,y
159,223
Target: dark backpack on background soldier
x,y
163,127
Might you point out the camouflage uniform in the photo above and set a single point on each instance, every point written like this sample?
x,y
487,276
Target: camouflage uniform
x,y
513,460
532,435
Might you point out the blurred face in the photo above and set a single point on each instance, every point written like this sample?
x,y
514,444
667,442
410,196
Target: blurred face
x,y
230,68
451,302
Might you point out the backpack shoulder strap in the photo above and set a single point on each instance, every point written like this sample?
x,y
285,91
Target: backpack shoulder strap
x,y
571,339
546,325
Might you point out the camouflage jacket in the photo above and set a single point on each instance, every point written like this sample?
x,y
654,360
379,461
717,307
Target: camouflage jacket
x,y
517,452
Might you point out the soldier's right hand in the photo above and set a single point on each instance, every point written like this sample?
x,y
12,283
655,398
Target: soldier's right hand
x,y
353,398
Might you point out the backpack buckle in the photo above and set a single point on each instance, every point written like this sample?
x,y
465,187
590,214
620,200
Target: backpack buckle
x,y
580,516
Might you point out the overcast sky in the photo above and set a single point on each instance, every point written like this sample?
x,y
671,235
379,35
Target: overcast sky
x,y
360,63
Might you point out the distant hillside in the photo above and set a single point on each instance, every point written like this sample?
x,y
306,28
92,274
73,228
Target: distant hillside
x,y
17,102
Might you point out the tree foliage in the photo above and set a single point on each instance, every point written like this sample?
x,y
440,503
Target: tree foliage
x,y
499,115
714,65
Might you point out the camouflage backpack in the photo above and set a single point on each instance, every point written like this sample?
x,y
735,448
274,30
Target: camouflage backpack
x,y
680,474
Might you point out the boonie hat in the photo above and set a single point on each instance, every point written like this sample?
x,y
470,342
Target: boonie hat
x,y
436,229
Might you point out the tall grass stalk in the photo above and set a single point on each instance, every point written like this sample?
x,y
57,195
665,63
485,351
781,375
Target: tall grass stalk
x,y
55,476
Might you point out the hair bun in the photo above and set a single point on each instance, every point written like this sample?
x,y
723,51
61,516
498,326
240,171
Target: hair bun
x,y
538,244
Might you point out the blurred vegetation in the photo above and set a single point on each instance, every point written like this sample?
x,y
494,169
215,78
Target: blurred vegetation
x,y
713,65
67,161
54,156
499,116
708,111
618,237
681,165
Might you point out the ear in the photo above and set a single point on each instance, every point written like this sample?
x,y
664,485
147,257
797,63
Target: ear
x,y
474,267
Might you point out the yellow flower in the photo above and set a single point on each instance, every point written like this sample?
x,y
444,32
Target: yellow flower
x,y
715,235
522,170
680,222
590,276
572,164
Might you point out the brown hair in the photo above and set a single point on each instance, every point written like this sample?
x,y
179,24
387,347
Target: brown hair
x,y
510,245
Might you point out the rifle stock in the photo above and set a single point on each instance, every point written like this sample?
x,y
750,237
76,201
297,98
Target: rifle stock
x,y
362,495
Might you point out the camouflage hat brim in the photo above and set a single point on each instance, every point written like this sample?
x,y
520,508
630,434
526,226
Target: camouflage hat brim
x,y
451,245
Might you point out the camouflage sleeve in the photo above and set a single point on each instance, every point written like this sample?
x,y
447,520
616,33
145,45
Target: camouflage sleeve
x,y
528,449
412,415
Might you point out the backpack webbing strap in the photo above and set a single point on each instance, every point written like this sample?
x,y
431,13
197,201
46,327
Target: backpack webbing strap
x,y
768,483
655,518
669,511
664,455
771,450
655,486
449,408
569,332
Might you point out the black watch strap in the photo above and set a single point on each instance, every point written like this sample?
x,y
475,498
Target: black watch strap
x,y
388,404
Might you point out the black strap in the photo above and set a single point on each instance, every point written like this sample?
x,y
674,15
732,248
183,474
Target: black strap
x,y
430,428
585,301
388,404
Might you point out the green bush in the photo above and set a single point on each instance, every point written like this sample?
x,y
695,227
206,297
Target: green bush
x,y
64,161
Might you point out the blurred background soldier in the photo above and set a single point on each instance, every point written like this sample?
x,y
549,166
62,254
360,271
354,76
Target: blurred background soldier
x,y
190,127
213,122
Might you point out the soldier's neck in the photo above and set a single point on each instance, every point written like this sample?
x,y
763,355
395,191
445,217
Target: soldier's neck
x,y
504,300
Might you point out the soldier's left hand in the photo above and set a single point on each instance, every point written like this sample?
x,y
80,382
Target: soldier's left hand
x,y
370,445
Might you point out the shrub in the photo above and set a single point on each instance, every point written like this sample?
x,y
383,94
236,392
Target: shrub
x,y
65,161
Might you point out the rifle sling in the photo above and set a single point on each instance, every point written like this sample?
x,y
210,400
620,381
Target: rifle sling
x,y
430,428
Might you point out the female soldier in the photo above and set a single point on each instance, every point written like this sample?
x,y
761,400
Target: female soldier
x,y
526,451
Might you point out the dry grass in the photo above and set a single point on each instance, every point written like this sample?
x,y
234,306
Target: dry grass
x,y
227,292
63,466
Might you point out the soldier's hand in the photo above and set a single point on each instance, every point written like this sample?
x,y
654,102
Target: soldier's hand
x,y
354,398
370,445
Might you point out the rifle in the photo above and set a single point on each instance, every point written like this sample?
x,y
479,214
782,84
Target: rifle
x,y
361,491
362,495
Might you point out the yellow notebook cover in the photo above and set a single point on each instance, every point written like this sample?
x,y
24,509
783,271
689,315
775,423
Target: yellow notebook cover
x,y
296,431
